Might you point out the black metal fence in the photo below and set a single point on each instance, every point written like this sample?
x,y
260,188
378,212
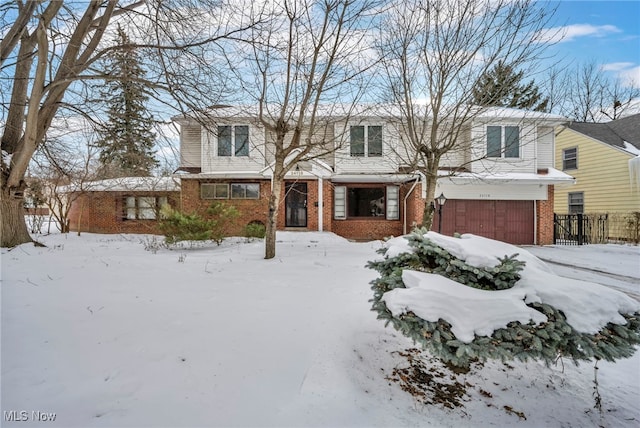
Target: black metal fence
x,y
580,229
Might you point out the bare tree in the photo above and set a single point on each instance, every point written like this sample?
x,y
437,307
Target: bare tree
x,y
585,92
51,46
434,53
308,56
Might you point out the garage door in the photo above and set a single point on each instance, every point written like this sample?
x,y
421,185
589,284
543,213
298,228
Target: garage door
x,y
508,221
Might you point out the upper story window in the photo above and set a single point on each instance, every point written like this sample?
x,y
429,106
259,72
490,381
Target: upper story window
x,y
366,141
570,158
233,140
503,141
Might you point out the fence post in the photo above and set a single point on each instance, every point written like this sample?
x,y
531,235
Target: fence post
x,y
580,229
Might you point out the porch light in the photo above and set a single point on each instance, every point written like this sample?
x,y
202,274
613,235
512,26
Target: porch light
x,y
441,200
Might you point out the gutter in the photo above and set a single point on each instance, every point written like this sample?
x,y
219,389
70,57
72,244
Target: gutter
x,y
404,208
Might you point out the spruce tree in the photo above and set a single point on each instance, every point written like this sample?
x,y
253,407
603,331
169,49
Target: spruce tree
x,y
501,87
126,141
517,341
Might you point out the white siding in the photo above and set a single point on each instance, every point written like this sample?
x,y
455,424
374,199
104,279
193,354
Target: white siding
x,y
211,162
526,161
545,147
387,163
501,192
190,141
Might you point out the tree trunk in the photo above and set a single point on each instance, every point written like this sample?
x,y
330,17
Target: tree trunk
x,y
14,227
429,203
272,220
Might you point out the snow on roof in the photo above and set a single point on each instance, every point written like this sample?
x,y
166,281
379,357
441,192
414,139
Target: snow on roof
x,y
552,176
126,184
336,111
588,307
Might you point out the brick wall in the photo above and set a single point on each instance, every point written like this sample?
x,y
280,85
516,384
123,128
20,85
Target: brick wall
x,y
102,212
544,218
251,210
375,228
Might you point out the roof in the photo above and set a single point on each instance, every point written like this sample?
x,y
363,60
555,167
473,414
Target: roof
x,y
615,133
126,184
338,111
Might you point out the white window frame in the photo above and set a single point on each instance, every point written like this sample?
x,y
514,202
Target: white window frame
x,y
570,158
366,152
392,202
570,202
503,142
234,148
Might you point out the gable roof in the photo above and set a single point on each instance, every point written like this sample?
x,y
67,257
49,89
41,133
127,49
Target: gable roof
x,y
615,133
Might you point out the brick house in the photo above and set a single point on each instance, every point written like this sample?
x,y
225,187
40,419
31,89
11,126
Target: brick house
x,y
362,188
121,205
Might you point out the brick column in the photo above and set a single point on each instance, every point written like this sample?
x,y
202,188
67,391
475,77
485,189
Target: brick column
x,y
544,218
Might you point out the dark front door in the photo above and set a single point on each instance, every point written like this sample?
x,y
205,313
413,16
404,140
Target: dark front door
x,y
296,205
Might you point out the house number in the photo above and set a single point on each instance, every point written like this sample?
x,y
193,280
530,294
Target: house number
x,y
485,195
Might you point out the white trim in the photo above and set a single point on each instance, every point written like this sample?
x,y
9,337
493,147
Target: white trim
x,y
373,178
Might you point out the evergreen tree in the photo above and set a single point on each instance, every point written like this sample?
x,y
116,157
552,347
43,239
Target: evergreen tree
x,y
126,141
517,341
501,87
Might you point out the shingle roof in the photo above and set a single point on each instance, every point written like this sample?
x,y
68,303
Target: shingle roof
x,y
614,133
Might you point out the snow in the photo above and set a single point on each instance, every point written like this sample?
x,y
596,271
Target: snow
x,y
588,307
102,332
631,148
469,311
124,184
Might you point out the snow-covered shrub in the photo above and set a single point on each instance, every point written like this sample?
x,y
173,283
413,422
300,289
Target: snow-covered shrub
x,y
466,299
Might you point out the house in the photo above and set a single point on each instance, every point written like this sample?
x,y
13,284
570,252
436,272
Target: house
x,y
499,183
604,158
120,205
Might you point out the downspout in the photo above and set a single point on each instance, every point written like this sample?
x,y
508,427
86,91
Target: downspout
x,y
404,208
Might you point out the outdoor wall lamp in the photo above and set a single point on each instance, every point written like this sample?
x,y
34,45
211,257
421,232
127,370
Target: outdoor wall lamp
x,y
441,200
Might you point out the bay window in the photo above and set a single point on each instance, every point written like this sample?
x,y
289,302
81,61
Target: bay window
x,y
380,202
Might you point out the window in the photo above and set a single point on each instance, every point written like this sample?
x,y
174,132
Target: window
x,y
570,158
576,203
221,191
214,191
143,207
503,141
366,140
245,191
233,140
377,202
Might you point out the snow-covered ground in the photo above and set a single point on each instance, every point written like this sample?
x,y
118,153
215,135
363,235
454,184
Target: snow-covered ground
x,y
108,330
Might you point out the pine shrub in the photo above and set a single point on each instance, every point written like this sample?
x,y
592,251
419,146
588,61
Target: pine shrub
x,y
178,226
546,341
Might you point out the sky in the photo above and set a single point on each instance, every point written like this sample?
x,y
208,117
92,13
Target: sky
x,y
607,32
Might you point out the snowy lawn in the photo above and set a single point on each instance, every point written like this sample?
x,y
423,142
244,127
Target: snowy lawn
x,y
100,331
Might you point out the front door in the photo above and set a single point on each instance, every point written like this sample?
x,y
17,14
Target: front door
x,y
296,205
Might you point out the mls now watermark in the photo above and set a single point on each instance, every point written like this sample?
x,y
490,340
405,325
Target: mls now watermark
x,y
24,416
